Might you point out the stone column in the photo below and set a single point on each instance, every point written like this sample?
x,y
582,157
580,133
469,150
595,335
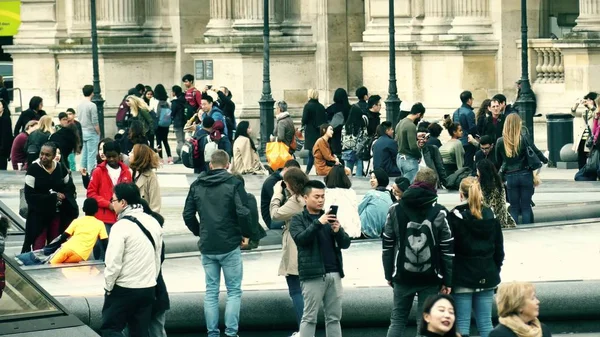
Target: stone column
x,y
157,22
221,18
120,17
589,16
471,17
293,23
438,17
248,17
81,14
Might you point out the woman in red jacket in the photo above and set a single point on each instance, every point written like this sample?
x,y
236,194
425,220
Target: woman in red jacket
x,y
104,178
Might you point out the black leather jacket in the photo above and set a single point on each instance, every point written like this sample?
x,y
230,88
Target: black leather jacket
x,y
433,160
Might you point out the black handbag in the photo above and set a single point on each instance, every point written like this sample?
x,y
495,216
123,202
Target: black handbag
x,y
533,161
591,165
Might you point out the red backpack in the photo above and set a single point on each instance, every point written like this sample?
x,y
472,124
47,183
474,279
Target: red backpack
x,y
123,114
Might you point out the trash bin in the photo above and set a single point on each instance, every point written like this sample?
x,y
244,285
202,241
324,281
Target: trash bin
x,y
559,132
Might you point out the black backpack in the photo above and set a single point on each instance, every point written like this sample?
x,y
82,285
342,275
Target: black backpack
x,y
418,254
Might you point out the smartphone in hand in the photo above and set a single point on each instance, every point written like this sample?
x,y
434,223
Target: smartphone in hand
x,y
333,209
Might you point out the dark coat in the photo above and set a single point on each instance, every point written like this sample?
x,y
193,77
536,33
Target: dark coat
x,y
178,111
518,162
434,141
374,121
67,141
433,160
35,141
494,131
313,117
503,331
336,140
6,134
385,150
355,121
466,117
478,248
266,194
25,117
304,231
223,220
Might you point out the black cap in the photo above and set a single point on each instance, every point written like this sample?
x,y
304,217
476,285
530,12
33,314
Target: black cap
x,y
402,183
208,122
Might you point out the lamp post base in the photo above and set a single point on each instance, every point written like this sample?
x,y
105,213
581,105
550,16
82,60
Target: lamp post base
x,y
267,123
99,101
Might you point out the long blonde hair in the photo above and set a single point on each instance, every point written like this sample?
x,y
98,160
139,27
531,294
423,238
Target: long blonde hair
x,y
135,104
470,188
512,135
45,124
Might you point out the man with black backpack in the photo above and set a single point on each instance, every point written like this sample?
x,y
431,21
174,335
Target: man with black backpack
x,y
416,228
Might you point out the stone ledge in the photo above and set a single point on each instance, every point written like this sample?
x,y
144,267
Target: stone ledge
x,y
430,46
87,49
251,48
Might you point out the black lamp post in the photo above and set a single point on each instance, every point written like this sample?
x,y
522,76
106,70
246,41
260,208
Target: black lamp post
x,y
392,103
525,101
266,101
97,99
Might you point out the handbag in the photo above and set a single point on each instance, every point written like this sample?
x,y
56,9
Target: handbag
x,y
23,207
533,161
277,154
592,163
348,140
297,141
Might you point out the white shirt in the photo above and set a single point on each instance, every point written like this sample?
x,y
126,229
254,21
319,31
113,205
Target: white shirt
x,y
130,260
114,174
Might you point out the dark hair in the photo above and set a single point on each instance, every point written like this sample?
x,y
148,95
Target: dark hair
x,y
103,140
148,88
383,179
489,179
373,100
435,130
486,140
136,132
87,90
295,179
187,77
323,129
139,87
312,184
34,102
111,147
160,93
62,115
340,96
381,129
422,128
128,192
451,127
361,92
177,90
591,95
428,305
71,110
403,183
159,218
207,98
242,130
483,109
417,108
51,145
90,206
500,98
291,163
337,178
465,96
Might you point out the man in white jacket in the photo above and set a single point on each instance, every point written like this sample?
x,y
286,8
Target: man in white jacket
x,y
132,266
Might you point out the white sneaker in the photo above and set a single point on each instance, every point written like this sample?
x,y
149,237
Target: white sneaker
x,y
295,334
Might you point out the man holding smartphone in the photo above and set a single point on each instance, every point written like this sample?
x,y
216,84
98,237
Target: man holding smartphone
x,y
320,239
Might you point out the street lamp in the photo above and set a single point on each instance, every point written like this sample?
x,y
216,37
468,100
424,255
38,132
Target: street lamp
x,y
97,99
266,101
392,103
525,102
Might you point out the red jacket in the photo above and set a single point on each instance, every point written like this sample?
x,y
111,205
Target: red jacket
x,y
101,189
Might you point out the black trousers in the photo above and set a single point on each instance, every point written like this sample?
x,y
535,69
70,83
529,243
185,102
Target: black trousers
x,y
581,154
162,139
127,307
470,151
3,163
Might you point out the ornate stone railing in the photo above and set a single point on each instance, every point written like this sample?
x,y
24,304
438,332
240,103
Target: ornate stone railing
x,y
546,61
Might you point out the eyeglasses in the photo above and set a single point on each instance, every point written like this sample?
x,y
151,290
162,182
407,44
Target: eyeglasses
x,y
113,200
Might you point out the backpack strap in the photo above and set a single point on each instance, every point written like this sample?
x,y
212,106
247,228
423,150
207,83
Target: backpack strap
x,y
142,228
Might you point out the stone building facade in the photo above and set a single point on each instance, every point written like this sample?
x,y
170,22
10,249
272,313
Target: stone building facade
x,y
442,48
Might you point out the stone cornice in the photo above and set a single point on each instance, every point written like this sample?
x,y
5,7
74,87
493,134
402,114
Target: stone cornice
x,y
485,46
87,49
277,48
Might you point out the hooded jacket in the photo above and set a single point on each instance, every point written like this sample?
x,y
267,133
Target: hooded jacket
x,y
416,204
221,202
101,189
478,248
178,111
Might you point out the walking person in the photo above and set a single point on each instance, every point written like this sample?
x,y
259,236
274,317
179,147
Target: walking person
x,y
6,136
225,222
162,132
337,115
178,114
35,112
141,111
143,163
90,128
292,184
466,117
313,116
133,264
511,155
320,239
416,216
479,253
409,155
493,190
71,114
285,131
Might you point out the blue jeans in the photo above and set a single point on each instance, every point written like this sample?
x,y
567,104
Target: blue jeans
x,y
408,165
481,305
293,282
349,157
520,191
233,270
310,162
89,150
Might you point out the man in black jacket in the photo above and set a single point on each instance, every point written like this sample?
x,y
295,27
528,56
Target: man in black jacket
x,y
266,194
417,215
228,108
178,115
221,202
385,150
431,155
320,239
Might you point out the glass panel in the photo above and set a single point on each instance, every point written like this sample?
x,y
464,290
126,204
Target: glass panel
x,y
6,69
21,298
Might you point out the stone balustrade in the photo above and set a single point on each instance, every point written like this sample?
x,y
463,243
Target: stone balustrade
x,y
546,61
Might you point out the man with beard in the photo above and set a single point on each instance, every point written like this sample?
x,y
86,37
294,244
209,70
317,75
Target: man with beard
x,y
409,154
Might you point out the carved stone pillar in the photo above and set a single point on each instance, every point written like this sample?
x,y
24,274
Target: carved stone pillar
x,y
157,22
120,17
438,17
589,16
248,17
293,23
221,18
471,17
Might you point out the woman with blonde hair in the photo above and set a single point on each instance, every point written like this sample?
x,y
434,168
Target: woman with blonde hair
x,y
290,190
313,116
511,156
143,163
38,137
518,311
479,252
141,111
